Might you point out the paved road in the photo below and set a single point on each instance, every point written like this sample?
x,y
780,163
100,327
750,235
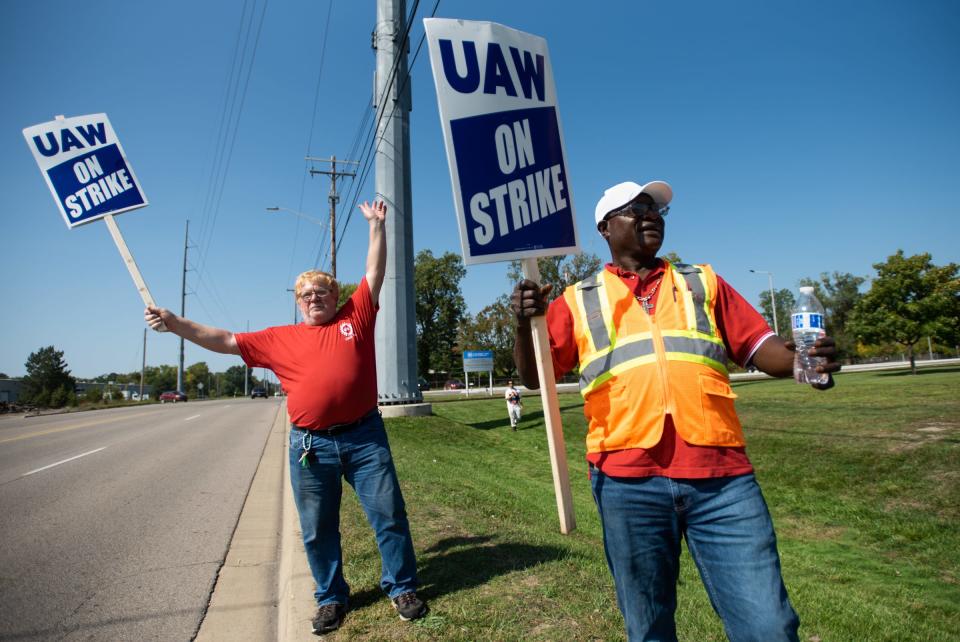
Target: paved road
x,y
113,523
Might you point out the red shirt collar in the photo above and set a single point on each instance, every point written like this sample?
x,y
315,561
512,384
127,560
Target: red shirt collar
x,y
627,274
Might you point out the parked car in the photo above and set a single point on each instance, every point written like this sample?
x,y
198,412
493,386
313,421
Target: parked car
x,y
258,392
172,395
453,384
422,384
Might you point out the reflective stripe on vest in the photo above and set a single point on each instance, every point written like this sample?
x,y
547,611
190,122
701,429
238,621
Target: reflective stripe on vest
x,y
696,298
699,343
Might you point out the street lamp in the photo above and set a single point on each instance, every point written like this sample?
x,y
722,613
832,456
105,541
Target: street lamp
x,y
300,214
773,299
312,220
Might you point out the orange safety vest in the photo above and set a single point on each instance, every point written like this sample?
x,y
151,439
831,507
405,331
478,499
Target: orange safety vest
x,y
636,368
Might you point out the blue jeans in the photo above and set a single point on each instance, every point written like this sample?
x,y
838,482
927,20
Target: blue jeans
x,y
730,537
362,457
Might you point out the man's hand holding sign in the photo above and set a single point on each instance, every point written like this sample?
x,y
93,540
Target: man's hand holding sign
x,y
498,109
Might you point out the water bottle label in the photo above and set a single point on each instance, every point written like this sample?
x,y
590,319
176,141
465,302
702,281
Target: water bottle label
x,y
807,321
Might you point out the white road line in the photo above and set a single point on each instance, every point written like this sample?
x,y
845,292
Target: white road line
x,y
64,461
190,418
227,406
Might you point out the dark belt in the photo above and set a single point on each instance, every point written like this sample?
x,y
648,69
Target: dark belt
x,y
336,429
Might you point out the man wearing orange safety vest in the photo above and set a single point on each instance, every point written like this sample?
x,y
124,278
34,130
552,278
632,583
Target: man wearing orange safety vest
x,y
651,340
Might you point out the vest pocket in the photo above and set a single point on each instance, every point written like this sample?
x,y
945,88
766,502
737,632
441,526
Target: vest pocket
x,y
722,426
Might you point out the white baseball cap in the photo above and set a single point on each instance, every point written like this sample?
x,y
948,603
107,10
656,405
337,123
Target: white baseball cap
x,y
622,193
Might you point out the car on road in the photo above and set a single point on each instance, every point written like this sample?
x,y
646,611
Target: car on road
x,y
258,392
453,384
172,395
422,384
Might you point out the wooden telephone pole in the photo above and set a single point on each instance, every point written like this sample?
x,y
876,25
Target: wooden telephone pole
x,y
334,197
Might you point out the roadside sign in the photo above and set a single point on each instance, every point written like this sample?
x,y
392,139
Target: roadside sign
x,y
478,360
501,127
85,168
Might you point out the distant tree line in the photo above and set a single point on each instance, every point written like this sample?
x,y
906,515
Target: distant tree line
x,y
908,301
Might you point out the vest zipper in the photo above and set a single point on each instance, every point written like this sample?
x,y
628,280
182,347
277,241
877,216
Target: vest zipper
x,y
661,351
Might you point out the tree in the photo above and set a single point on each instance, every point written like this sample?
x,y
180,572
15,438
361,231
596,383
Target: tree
x,y
160,378
561,271
346,291
440,309
673,257
785,302
839,294
231,382
196,374
492,329
911,298
46,373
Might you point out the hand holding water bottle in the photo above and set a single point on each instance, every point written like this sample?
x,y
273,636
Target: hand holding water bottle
x,y
814,351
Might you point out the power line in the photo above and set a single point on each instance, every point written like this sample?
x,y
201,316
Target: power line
x,y
366,169
233,139
313,118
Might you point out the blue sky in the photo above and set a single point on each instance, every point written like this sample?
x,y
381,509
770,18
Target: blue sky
x,y
799,138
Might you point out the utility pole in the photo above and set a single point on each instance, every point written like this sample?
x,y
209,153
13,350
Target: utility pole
x,y
143,366
396,331
183,303
334,198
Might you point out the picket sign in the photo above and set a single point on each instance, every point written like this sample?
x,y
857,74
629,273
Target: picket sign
x,y
508,170
551,410
72,154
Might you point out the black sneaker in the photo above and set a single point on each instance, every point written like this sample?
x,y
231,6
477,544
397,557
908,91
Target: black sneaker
x,y
409,606
328,618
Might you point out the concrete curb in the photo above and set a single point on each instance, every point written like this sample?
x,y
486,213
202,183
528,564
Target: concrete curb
x,y
244,601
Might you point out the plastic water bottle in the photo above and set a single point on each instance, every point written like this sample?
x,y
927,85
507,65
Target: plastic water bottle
x,y
808,326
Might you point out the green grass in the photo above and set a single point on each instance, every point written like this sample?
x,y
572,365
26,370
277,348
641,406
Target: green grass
x,y
863,482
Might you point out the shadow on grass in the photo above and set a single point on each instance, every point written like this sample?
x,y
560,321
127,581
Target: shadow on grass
x,y
458,563
535,416
929,370
907,437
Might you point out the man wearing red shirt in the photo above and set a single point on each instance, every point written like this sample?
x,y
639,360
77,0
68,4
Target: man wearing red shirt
x,y
664,445
327,365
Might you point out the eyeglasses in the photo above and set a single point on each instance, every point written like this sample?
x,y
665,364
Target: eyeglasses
x,y
310,295
638,210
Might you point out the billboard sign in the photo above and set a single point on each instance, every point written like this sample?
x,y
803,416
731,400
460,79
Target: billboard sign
x,y
477,360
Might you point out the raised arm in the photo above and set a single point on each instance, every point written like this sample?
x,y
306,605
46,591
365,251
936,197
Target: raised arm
x,y
204,336
377,250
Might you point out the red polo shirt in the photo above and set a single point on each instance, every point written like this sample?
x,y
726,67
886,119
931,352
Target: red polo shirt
x,y
329,371
742,329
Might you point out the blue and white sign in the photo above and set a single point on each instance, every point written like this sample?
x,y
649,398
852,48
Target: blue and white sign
x,y
477,360
85,168
501,126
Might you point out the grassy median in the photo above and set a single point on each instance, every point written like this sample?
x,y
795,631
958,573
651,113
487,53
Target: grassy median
x,y
863,482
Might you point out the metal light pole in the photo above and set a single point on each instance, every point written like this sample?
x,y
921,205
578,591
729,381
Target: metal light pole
x,y
773,299
396,331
